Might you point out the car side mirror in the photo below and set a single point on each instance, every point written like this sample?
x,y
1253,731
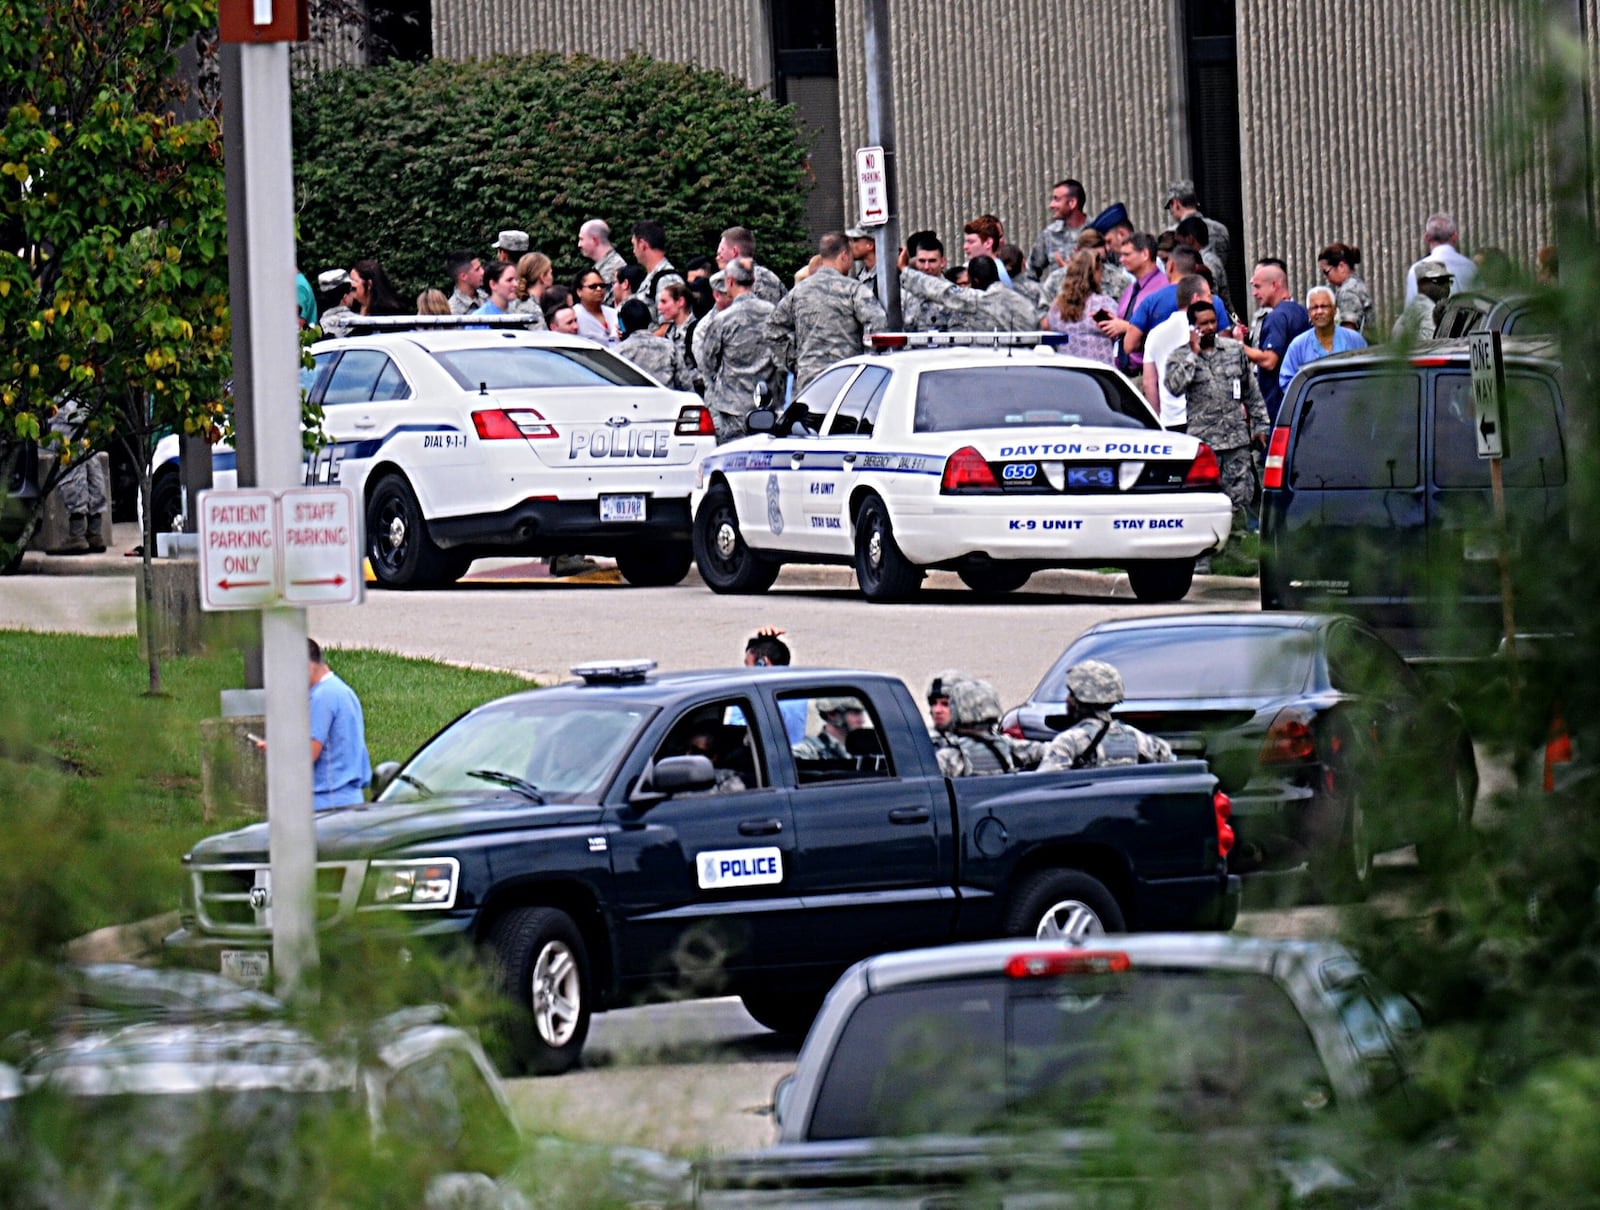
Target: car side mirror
x,y
674,775
382,775
781,1096
762,420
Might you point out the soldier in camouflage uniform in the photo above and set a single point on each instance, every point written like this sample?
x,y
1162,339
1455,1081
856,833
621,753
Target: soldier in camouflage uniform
x,y
1180,202
655,355
920,314
337,292
985,306
734,354
1059,239
942,731
1225,409
594,241
738,243
466,271
1011,258
1095,740
825,318
82,488
840,716
978,746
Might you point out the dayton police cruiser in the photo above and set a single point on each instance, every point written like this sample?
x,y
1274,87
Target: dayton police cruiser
x,y
991,461
465,438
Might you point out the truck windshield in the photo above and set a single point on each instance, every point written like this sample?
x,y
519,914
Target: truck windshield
x,y
519,367
1026,396
526,748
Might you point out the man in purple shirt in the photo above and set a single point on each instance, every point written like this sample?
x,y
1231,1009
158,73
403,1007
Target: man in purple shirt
x,y
1139,259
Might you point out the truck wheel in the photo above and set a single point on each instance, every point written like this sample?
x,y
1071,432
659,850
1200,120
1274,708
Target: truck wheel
x,y
783,1010
1063,903
995,579
655,566
398,546
1161,579
166,502
882,571
725,562
542,966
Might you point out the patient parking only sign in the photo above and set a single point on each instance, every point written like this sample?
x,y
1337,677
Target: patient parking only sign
x,y
261,549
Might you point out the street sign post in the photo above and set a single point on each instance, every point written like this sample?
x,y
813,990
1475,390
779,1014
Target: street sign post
x,y
1494,443
872,186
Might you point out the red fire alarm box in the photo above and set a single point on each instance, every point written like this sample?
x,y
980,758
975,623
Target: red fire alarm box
x,y
264,20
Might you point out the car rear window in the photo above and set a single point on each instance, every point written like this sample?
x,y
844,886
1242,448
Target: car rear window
x,y
1026,396
1197,662
1357,432
1180,1048
523,367
1537,458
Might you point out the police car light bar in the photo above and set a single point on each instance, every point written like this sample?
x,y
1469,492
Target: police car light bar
x,y
612,672
412,323
884,342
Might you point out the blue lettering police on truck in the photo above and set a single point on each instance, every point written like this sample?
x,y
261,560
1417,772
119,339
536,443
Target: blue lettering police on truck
x,y
722,868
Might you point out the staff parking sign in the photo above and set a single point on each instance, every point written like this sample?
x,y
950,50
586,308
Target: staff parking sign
x,y
260,549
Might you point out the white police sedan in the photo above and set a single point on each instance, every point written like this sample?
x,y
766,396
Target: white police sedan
x,y
463,439
993,462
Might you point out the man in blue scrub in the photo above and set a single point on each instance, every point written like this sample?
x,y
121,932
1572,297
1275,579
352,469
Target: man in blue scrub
x,y
340,767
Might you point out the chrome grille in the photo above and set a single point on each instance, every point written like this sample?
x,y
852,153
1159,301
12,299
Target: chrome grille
x,y
223,895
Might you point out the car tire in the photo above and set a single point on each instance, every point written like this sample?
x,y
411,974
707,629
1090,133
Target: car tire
x,y
656,566
1161,579
1063,903
883,572
166,502
995,579
725,562
1341,870
398,546
542,966
1450,839
783,1010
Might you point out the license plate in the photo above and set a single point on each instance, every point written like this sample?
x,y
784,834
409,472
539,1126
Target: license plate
x,y
1485,547
622,508
247,967
1089,478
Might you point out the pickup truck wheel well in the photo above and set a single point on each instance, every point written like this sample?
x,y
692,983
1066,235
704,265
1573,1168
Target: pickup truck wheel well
x,y
578,903
1104,865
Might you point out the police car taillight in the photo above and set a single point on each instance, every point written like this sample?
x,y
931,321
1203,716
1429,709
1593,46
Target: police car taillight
x,y
695,421
1204,471
966,470
1067,962
1222,807
505,425
1272,476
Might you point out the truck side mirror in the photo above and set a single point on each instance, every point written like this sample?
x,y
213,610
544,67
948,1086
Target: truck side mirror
x,y
674,775
382,775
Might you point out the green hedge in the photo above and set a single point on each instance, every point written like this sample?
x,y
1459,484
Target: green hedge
x,y
406,162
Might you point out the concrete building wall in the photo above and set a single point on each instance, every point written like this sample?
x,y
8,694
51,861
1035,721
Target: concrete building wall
x,y
727,35
1347,136
981,130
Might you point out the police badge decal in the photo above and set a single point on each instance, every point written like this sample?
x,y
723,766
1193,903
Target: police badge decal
x,y
774,511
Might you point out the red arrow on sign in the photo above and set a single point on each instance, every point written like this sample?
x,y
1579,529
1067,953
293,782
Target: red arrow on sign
x,y
231,584
336,581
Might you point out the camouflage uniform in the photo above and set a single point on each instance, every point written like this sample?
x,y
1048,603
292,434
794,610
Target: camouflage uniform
x,y
664,272
1096,687
1114,279
1354,303
1219,276
1417,321
335,321
921,315
997,309
976,746
656,356
734,354
466,304
608,266
1029,289
768,286
1220,240
529,306
822,320
823,745
1222,392
83,489
1057,239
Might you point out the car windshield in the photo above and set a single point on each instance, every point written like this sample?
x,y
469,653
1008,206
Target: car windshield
x,y
523,367
1025,396
532,749
1178,1049
1193,662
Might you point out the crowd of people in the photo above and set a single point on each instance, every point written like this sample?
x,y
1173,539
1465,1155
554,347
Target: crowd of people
x,y
1158,306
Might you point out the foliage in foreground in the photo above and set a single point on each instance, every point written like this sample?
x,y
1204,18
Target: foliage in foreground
x,y
406,162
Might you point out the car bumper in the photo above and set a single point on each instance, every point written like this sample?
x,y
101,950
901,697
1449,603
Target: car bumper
x,y
1063,530
562,526
188,947
1210,901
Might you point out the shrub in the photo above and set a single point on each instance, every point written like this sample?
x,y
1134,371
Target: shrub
x,y
408,161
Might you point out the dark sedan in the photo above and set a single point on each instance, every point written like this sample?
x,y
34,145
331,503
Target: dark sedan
x,y
1301,717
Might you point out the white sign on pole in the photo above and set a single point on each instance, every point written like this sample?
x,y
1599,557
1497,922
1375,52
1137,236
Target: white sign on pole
x,y
321,546
261,549
1488,394
238,550
872,186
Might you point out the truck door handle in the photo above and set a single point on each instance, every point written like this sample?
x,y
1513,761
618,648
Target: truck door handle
x,y
761,827
909,815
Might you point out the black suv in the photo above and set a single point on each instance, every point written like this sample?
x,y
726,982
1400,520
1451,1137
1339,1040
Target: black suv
x,y
1376,503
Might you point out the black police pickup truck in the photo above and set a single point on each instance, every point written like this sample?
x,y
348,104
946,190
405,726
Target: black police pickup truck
x,y
750,831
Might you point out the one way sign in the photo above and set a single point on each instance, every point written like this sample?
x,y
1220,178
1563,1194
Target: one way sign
x,y
1489,395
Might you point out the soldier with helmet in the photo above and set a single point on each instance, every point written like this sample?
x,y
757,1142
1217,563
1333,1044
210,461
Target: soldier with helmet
x,y
840,716
1095,739
942,732
976,745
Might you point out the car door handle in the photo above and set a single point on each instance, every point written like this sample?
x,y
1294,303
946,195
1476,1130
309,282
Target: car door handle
x,y
797,458
849,459
909,815
761,827
366,422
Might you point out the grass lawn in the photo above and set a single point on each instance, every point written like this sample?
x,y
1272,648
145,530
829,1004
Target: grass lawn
x,y
100,784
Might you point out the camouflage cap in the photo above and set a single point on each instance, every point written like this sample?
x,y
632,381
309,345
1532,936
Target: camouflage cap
x,y
719,282
1432,268
1177,189
332,279
1095,683
832,705
512,241
973,701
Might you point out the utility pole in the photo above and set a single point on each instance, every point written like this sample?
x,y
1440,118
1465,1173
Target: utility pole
x,y
880,133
